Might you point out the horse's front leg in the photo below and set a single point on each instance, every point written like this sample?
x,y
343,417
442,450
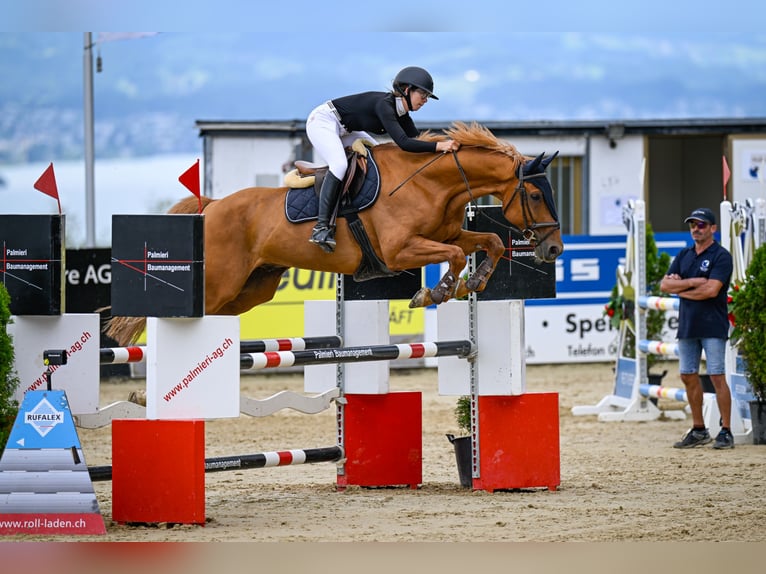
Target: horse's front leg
x,y
445,288
472,242
419,252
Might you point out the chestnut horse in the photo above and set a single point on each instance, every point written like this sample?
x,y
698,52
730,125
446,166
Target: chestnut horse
x,y
416,220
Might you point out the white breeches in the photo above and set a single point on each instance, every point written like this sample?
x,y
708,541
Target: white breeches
x,y
329,138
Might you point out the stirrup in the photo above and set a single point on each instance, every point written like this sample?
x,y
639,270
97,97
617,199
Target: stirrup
x,y
324,237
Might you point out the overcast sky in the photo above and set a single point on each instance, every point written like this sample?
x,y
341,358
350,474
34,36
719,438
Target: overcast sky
x,y
342,16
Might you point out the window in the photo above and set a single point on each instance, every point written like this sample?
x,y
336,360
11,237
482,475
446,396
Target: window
x,y
565,175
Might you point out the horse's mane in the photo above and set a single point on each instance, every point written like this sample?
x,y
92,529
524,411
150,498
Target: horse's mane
x,y
474,135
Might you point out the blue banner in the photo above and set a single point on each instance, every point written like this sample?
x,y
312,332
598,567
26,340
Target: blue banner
x,y
587,270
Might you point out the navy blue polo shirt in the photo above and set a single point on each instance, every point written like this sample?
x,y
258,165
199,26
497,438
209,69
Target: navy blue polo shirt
x,y
707,318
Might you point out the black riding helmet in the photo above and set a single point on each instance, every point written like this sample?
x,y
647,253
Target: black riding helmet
x,y
417,77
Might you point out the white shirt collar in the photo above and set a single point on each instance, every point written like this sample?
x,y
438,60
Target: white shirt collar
x,y
400,109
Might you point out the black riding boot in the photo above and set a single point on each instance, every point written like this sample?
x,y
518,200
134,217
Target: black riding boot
x,y
323,234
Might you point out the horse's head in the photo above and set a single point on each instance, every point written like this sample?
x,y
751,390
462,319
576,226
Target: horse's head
x,y
526,195
531,208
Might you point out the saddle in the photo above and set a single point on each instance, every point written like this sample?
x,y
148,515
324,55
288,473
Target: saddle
x,y
307,174
359,188
359,191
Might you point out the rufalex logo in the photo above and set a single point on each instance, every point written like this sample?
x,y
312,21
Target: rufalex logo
x,y
44,417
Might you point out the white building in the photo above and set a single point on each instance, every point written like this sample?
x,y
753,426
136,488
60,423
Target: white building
x,y
674,165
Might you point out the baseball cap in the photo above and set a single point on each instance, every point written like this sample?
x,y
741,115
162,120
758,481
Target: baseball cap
x,y
701,214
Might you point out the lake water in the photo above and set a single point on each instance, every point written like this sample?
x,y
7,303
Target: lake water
x,y
122,186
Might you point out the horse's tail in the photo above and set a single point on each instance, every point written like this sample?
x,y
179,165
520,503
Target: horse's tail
x,y
127,330
190,205
124,330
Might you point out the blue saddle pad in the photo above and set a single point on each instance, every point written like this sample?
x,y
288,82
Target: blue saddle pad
x,y
303,204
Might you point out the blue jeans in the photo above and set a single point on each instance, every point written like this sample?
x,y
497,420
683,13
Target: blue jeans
x,y
690,353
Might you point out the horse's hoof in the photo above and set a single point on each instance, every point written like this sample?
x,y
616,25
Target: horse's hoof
x,y
419,299
138,397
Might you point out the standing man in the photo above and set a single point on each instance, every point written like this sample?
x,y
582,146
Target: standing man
x,y
700,276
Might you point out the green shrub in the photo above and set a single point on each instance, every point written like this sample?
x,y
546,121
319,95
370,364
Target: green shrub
x,y
463,414
747,307
9,407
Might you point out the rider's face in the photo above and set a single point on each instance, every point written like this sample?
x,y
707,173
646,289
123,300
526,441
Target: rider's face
x,y
418,98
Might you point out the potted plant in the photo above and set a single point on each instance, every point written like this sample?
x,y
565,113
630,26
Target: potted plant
x,y
747,311
9,407
462,444
618,309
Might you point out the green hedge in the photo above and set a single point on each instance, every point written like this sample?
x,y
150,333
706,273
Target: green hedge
x,y
9,408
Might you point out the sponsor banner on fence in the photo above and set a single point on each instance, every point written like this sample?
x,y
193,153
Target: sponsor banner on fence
x,y
569,328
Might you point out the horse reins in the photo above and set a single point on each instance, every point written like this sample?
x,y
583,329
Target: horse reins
x,y
416,172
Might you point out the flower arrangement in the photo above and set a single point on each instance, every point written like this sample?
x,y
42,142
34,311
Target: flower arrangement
x,y
617,309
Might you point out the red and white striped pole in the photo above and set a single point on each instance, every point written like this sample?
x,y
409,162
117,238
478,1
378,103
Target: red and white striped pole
x,y
137,354
256,361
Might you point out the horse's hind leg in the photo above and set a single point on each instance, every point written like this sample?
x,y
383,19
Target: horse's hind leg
x,y
259,288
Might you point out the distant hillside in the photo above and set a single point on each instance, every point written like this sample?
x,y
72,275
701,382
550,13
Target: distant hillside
x,y
151,90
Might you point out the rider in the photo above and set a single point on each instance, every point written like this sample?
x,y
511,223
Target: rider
x,y
335,124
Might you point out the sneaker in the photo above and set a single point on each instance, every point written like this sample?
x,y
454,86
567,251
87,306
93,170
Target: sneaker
x,y
724,440
694,438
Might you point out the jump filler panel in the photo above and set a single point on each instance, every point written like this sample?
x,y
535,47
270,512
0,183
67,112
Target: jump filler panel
x,y
518,274
158,266
32,263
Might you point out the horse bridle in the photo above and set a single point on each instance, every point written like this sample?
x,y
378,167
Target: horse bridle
x,y
529,232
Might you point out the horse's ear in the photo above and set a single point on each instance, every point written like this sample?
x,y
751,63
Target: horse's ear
x,y
533,165
547,161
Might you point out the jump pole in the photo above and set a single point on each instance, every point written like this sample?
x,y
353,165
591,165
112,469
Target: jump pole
x,y
320,356
245,461
462,349
137,353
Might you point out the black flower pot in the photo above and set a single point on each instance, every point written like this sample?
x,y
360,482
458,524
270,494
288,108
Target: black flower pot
x,y
464,459
758,418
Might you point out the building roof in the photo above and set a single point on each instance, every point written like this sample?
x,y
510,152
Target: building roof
x,y
714,126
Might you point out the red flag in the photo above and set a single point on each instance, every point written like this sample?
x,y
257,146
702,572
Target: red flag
x,y
190,178
726,176
47,184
